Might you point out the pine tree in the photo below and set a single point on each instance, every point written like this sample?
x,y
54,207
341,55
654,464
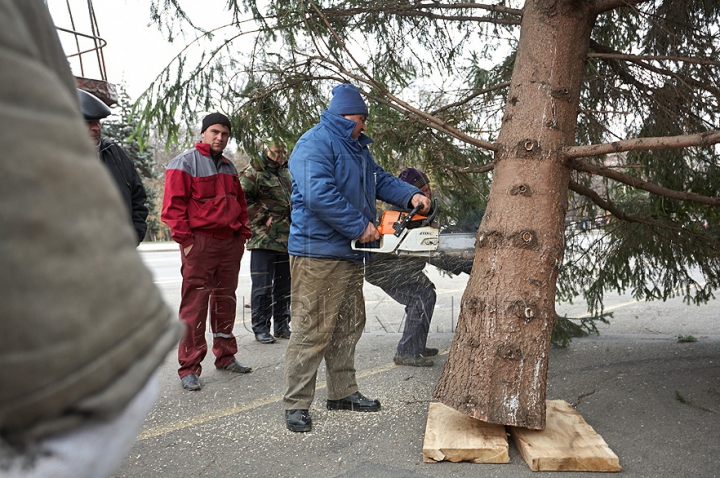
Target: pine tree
x,y
563,114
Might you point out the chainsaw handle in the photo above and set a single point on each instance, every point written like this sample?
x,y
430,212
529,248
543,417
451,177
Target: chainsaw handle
x,y
400,226
432,213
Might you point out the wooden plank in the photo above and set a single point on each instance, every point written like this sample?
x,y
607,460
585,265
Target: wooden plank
x,y
454,436
567,443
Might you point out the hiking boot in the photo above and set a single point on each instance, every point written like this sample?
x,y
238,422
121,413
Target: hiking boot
x,y
283,334
265,338
237,367
413,360
298,420
191,382
356,402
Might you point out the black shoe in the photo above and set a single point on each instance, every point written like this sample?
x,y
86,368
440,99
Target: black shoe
x,y
298,420
356,402
430,352
414,360
191,382
283,334
237,367
265,338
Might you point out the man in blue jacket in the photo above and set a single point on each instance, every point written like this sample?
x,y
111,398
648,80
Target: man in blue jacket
x,y
335,184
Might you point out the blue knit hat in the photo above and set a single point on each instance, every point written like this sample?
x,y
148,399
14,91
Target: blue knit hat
x,y
346,100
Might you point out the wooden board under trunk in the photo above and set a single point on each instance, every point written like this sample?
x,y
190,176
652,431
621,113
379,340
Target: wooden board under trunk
x,y
567,443
454,436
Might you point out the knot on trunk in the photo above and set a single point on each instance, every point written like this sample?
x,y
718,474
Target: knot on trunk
x,y
522,310
521,190
508,352
524,239
561,94
474,305
529,149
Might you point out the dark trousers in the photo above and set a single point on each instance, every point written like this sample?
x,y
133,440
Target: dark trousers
x,y
419,298
210,278
270,299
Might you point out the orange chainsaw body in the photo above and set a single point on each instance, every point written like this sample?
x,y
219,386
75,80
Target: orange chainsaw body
x,y
390,218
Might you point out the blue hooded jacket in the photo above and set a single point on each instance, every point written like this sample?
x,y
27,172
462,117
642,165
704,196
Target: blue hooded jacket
x,y
335,182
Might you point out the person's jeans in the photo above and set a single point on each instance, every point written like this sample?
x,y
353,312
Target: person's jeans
x,y
270,298
419,301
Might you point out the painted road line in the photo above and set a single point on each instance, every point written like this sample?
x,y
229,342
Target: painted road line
x,y
261,402
226,412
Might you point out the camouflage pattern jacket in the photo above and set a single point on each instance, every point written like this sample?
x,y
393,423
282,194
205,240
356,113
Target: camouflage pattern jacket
x,y
267,188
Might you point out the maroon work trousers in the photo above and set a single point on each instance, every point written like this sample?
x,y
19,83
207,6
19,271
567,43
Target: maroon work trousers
x,y
210,277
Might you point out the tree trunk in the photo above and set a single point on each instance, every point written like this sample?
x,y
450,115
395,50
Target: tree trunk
x,y
497,367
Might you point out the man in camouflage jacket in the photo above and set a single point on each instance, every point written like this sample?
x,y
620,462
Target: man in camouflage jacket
x,y
267,185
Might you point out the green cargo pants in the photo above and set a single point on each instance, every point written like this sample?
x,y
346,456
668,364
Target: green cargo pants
x,y
327,318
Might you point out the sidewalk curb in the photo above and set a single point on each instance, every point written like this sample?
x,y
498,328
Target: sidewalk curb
x,y
158,247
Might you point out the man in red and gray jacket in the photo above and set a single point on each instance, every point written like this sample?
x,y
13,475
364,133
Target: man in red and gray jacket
x,y
205,208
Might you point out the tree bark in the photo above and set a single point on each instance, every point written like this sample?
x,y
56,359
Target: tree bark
x,y
497,367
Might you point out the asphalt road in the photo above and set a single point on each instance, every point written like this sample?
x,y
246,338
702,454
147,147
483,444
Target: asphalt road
x,y
625,383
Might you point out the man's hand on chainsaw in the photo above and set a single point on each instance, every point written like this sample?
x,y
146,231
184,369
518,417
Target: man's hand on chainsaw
x,y
370,234
419,199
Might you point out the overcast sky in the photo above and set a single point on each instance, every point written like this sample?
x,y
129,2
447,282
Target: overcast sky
x,y
136,51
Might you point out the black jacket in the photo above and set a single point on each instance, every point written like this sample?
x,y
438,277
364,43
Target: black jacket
x,y
131,188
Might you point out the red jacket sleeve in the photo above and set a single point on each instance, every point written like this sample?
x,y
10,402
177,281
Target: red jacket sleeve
x,y
175,206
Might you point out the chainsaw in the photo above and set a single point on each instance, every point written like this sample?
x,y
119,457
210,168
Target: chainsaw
x,y
409,233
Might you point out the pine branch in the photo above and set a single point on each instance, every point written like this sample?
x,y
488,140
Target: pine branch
x,y
490,8
462,18
426,120
644,185
608,53
608,206
470,169
420,9
437,125
601,6
707,138
369,80
638,58
475,94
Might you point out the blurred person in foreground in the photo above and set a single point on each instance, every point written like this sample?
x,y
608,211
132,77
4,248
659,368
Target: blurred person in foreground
x,y
117,162
335,185
83,326
205,208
